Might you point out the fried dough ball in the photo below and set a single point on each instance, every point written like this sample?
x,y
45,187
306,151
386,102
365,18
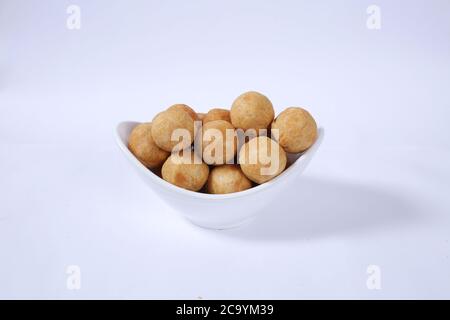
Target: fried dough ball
x,y
297,130
201,116
188,172
252,110
217,114
227,179
164,125
185,108
219,142
262,159
141,144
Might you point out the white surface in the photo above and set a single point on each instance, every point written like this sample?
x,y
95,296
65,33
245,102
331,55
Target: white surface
x,y
378,187
220,211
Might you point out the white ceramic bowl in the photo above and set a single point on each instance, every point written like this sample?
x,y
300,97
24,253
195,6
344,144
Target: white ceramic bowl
x,y
217,211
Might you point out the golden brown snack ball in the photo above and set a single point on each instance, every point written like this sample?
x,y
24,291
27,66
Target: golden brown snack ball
x,y
165,123
218,135
252,110
262,159
185,173
185,108
227,179
297,130
201,116
217,114
141,144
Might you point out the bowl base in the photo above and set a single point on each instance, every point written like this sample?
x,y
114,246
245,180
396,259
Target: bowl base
x,y
221,227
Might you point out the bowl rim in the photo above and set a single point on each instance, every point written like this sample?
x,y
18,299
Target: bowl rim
x,y
305,156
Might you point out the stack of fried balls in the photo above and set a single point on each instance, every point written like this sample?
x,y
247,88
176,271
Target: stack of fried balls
x,y
243,162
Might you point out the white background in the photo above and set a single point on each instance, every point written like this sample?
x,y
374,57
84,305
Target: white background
x,y
378,189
